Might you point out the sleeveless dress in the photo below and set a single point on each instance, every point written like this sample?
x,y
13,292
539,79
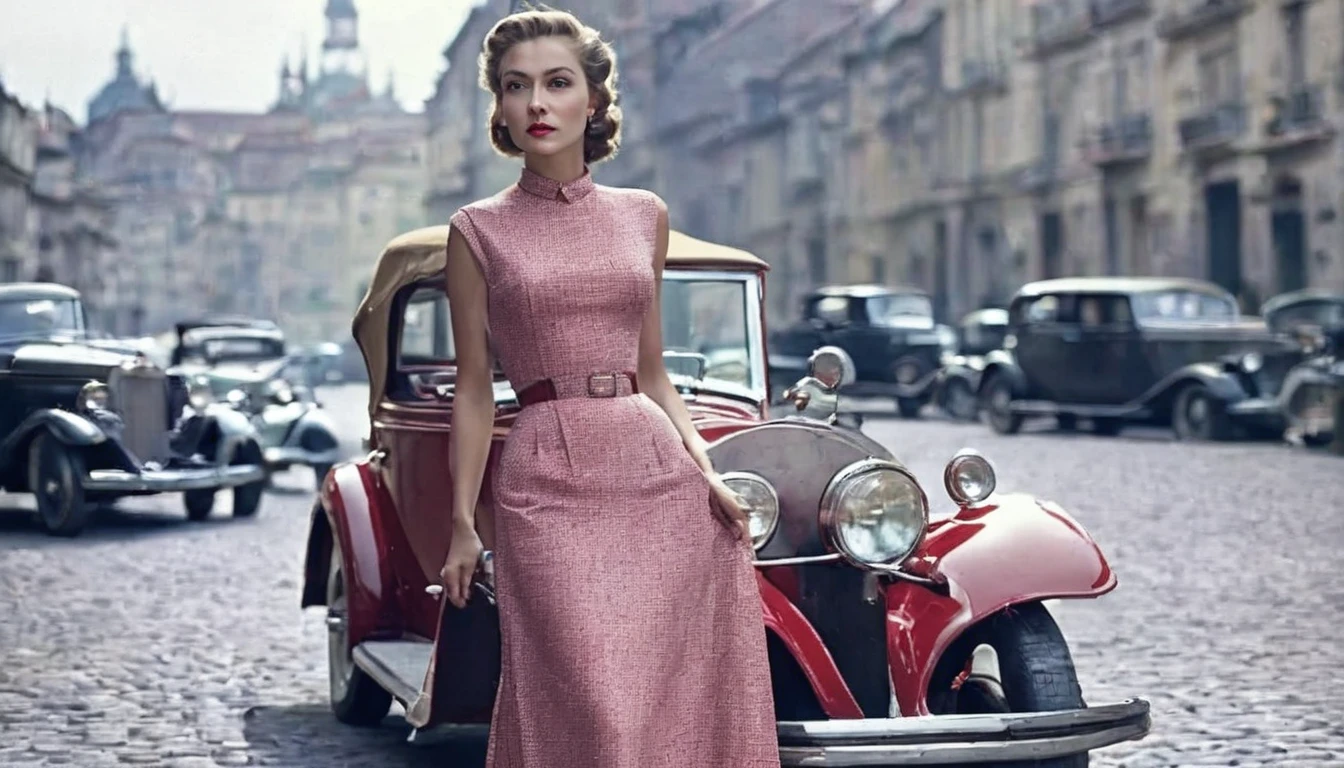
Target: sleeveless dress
x,y
631,628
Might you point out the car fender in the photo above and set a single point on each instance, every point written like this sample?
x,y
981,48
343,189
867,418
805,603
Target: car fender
x,y
1002,363
234,429
1222,383
1011,549
807,648
349,511
311,419
70,428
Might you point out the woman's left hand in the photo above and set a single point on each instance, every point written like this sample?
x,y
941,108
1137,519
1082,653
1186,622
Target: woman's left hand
x,y
727,506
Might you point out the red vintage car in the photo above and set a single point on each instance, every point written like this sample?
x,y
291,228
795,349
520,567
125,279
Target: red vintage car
x,y
893,639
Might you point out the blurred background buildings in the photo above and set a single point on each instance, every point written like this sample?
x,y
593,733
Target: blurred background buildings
x,y
964,146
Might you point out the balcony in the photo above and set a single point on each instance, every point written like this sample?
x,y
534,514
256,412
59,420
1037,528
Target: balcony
x,y
1106,12
1194,16
983,76
1298,115
1214,128
1126,140
1060,25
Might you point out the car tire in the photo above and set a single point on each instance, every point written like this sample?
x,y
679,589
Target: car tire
x,y
996,402
959,400
320,472
247,498
1036,671
355,698
909,407
54,475
199,503
1198,415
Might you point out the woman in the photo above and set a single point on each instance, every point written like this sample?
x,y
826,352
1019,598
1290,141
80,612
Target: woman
x,y
631,625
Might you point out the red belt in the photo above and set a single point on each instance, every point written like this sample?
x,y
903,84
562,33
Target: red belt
x,y
596,385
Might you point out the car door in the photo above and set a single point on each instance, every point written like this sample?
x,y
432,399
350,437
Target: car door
x,y
1099,353
867,344
1045,336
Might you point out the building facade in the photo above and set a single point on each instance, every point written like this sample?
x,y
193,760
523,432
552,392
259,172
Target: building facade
x,y
278,213
18,163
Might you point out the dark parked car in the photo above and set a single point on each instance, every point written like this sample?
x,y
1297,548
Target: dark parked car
x,y
979,333
82,424
888,331
1312,395
1166,351
250,368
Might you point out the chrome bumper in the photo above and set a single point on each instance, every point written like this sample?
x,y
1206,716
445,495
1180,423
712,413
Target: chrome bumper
x,y
961,739
281,454
165,480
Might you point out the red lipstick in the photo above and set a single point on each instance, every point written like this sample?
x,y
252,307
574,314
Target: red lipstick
x,y
539,129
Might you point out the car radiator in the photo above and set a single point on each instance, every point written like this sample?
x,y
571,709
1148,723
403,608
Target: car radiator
x,y
140,395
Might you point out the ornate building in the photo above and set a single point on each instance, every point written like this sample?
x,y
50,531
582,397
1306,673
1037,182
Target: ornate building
x,y
275,213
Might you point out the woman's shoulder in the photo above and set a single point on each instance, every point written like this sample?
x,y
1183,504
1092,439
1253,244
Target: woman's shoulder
x,y
637,197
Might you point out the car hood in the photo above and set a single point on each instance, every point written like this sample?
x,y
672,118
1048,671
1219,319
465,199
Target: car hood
x,y
61,359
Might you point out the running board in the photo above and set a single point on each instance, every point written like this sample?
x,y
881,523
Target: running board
x,y
399,666
1051,408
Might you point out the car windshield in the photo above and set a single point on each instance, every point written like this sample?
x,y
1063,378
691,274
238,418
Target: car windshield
x,y
898,308
1322,314
40,318
1182,306
715,315
241,348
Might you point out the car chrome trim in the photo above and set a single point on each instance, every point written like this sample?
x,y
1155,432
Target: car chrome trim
x,y
155,481
774,495
385,676
947,739
280,454
827,517
804,560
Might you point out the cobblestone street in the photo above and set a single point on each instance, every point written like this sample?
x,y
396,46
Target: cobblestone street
x,y
150,640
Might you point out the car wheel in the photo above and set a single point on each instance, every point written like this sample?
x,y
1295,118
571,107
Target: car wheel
x,y
1019,662
959,400
355,698
1337,441
997,403
1198,415
247,498
54,476
1107,426
909,407
320,474
199,503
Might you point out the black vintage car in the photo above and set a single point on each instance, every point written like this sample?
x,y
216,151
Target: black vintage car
x,y
979,333
1165,351
888,331
82,424
1312,395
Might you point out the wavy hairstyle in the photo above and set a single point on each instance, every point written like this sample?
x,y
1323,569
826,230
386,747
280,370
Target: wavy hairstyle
x,y
603,135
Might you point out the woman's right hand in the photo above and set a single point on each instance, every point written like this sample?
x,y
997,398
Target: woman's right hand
x,y
464,554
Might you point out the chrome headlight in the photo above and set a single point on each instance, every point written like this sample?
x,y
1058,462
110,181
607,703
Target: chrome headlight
x,y
279,392
969,478
874,513
1252,362
760,502
94,396
199,394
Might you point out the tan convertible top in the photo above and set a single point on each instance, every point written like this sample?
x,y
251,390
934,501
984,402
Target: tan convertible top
x,y
423,253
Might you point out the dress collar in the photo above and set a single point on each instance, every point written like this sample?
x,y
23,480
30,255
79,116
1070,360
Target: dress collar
x,y
569,192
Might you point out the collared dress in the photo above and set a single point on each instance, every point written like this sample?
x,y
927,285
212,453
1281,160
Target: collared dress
x,y
631,624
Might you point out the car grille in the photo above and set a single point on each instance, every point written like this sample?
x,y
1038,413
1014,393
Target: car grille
x,y
832,598
140,395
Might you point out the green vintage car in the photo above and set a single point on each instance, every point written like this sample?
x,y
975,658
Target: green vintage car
x,y
245,363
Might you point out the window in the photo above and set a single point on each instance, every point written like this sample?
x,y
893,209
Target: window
x,y
1296,42
1097,311
426,331
1178,305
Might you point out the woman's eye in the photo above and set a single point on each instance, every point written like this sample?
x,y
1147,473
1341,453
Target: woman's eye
x,y
513,86
559,82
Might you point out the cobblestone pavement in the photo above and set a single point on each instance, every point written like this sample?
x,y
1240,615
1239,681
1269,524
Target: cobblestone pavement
x,y
154,641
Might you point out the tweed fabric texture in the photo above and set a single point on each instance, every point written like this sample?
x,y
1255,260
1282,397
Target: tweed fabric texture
x,y
632,632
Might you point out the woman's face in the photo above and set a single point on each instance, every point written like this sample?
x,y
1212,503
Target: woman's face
x,y
544,97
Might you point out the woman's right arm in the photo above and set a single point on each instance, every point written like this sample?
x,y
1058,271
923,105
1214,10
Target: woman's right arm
x,y
473,413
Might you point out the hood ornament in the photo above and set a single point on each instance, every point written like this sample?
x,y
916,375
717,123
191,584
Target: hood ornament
x,y
817,395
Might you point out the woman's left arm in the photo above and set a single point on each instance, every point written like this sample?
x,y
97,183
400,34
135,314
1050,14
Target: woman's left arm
x,y
652,373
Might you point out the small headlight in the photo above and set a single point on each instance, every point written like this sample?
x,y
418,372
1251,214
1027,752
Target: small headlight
x,y
1252,362
199,395
969,477
93,396
874,513
236,398
761,502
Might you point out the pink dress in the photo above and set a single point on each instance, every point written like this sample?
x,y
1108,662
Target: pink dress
x,y
631,624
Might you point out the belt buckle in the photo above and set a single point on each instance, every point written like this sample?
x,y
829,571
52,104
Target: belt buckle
x,y
602,385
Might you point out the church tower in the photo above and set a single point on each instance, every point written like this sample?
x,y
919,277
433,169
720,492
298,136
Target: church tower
x,y
340,49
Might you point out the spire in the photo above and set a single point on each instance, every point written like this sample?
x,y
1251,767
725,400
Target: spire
x,y
124,55
390,91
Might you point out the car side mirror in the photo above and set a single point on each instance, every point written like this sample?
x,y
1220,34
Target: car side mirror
x,y
690,364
